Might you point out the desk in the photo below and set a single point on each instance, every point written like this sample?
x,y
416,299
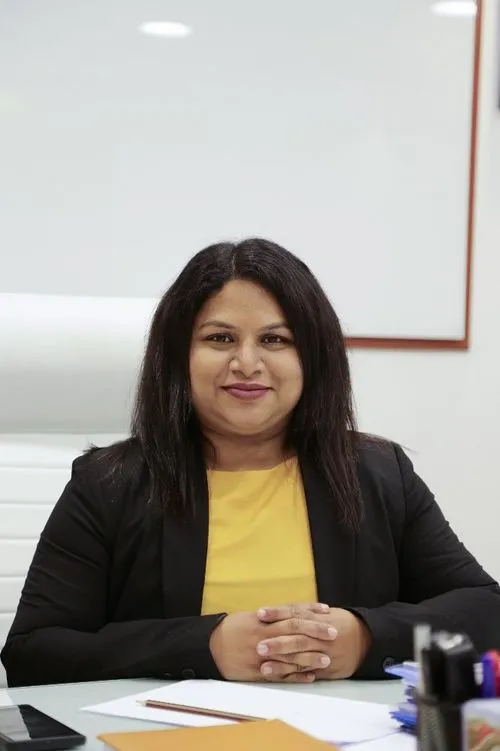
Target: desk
x,y
63,702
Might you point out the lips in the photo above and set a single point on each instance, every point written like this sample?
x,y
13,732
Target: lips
x,y
247,391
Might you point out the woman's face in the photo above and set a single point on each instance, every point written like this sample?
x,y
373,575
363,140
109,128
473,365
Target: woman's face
x,y
245,373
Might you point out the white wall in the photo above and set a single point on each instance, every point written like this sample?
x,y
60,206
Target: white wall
x,y
446,406
340,129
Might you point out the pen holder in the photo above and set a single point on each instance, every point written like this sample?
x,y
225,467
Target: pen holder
x,y
439,724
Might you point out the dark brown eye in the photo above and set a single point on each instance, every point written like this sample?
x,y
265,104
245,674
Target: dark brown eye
x,y
219,338
275,339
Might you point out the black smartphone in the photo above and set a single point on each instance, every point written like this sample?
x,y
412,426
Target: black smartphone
x,y
24,728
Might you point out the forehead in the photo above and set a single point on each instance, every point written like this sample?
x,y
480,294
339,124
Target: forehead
x,y
242,303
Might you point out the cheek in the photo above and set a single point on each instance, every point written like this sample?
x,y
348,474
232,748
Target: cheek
x,y
206,367
289,373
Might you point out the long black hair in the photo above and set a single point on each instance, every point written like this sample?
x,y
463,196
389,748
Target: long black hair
x,y
322,426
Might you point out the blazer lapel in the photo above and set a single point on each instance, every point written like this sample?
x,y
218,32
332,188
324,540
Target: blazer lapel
x,y
184,556
334,547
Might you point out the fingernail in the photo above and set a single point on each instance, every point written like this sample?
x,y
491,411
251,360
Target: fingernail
x,y
262,649
332,631
325,661
267,669
323,606
261,613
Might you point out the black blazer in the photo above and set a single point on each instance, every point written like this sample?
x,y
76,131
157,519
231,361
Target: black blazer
x,y
115,586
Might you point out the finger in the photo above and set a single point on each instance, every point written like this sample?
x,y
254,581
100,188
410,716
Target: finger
x,y
287,645
305,660
292,678
278,672
299,678
301,626
284,612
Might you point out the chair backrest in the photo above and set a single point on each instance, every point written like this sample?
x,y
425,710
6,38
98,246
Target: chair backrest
x,y
33,473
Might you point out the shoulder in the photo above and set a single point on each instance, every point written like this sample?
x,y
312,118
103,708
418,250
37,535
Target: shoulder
x,y
384,470
107,489
112,472
380,458
387,478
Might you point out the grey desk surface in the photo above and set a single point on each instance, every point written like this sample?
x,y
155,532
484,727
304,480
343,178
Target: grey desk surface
x,y
64,702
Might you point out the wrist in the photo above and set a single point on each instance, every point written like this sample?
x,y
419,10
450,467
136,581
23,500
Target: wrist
x,y
366,638
215,643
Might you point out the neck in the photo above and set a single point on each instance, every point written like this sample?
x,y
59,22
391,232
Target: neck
x,y
238,453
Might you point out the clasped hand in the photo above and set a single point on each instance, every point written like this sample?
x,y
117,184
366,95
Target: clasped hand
x,y
290,643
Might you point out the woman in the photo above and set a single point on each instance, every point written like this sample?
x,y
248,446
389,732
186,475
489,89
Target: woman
x,y
244,485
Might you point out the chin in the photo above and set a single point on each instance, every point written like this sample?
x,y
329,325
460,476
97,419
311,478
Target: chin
x,y
246,428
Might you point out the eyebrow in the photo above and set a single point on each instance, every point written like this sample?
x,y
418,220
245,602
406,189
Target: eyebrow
x,y
230,327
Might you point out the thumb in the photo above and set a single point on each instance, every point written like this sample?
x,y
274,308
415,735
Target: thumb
x,y
284,612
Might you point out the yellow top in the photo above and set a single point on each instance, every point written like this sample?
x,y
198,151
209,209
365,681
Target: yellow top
x,y
259,544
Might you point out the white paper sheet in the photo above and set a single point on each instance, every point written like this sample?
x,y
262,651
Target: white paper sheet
x,y
5,700
329,719
397,742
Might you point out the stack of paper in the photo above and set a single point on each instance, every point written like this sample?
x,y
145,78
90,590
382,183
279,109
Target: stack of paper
x,y
328,719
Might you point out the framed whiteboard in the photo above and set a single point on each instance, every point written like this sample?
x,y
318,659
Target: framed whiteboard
x,y
344,131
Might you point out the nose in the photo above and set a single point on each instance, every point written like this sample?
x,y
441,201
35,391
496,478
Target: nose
x,y
246,360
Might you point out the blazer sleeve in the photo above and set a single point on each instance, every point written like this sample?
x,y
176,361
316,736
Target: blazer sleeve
x,y
61,631
441,584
